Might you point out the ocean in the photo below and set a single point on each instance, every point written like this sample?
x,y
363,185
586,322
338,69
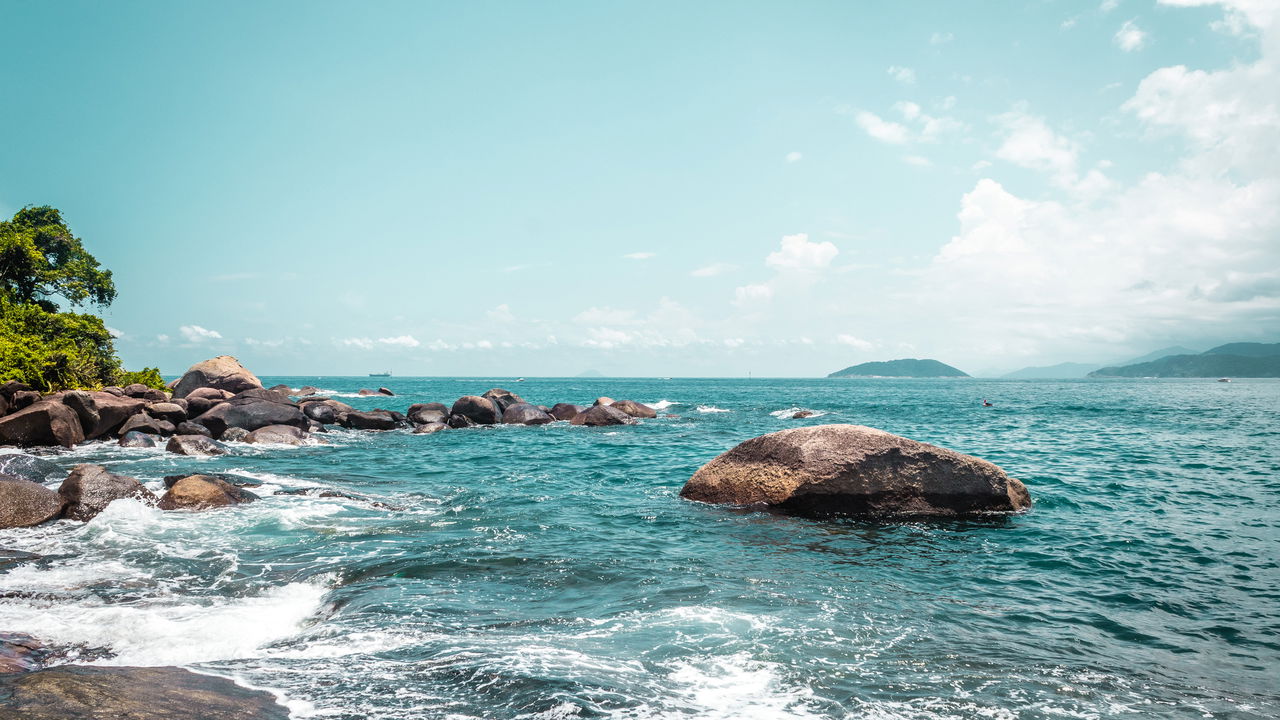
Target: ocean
x,y
554,572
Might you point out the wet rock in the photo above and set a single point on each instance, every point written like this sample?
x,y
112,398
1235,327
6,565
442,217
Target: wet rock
x,y
139,439
251,410
282,434
28,467
854,470
89,489
802,414
167,411
143,422
80,692
423,413
306,390
375,420
320,412
24,503
282,389
504,398
428,428
201,492
603,401
386,392
635,409
222,373
234,434
195,445
480,410
47,422
191,427
525,414
457,422
235,480
19,652
600,415
565,411
13,558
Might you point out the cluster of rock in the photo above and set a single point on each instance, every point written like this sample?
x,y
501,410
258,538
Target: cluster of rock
x,y
219,400
25,501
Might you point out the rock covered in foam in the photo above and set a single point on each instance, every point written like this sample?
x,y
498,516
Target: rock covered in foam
x,y
89,489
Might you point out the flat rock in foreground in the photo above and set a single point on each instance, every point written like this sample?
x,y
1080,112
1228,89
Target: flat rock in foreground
x,y
855,470
76,692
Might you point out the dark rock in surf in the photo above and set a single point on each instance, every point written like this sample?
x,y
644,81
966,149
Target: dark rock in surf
x,y
282,389
802,414
28,467
458,422
525,414
478,409
428,428
565,411
19,652
320,412
855,470
89,489
280,434
139,439
234,434
236,480
191,427
195,445
251,410
423,413
503,398
201,492
143,422
600,415
635,409
167,411
375,420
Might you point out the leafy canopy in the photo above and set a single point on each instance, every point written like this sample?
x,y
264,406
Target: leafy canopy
x,y
41,259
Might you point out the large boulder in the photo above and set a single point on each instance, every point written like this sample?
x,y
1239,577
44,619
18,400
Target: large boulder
x,y
855,470
321,412
191,427
113,411
599,415
27,467
373,420
139,439
525,414
198,445
89,489
24,503
251,410
565,411
424,413
457,422
480,410
83,692
504,398
86,409
200,492
212,394
222,373
168,411
281,434
635,409
143,422
47,422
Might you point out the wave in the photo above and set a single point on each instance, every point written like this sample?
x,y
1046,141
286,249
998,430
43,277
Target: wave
x,y
662,404
711,409
789,412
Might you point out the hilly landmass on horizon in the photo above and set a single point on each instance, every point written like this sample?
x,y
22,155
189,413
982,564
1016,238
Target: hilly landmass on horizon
x,y
904,368
1245,360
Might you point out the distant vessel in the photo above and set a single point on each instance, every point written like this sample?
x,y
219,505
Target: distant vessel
x,y
381,374
519,379
1224,379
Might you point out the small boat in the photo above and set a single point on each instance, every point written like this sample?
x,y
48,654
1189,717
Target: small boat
x,y
381,374
1224,379
519,379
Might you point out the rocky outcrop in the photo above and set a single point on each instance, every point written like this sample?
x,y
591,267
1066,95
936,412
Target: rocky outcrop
x,y
89,489
81,692
280,434
458,422
112,412
635,409
19,652
222,373
167,411
144,423
599,415
525,414
855,470
46,422
28,467
504,398
251,410
24,503
199,445
201,492
565,411
480,410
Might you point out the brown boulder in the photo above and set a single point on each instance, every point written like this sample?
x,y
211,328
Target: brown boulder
x,y
603,400
200,492
195,445
373,420
504,398
89,489
113,410
282,434
139,439
525,414
209,393
251,410
24,503
47,422
428,428
143,422
424,413
599,415
635,409
167,411
565,411
480,410
854,470
223,373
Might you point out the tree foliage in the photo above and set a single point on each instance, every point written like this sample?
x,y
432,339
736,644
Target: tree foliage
x,y
40,259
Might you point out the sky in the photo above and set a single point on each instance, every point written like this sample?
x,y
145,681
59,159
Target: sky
x,y
657,188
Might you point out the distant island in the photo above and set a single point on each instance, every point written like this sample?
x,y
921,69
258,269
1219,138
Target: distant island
x,y
906,368
1244,360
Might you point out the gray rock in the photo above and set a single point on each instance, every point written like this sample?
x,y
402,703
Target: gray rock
x,y
282,434
375,420
191,427
195,445
424,413
89,489
599,415
525,414
428,428
234,434
139,439
24,503
28,467
854,470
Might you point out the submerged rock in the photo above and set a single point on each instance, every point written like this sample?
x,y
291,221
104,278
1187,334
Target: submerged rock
x,y
195,445
19,652
27,467
428,428
79,692
89,489
201,492
24,503
635,409
600,415
854,470
221,373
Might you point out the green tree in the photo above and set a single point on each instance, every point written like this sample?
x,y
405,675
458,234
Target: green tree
x,y
41,259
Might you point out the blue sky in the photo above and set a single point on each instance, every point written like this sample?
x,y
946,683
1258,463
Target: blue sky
x,y
656,188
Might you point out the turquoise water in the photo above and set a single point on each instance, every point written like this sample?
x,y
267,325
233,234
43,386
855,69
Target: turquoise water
x,y
553,572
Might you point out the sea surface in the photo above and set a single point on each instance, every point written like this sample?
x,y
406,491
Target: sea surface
x,y
554,572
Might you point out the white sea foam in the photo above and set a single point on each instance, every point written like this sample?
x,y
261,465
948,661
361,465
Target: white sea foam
x,y
738,687
711,409
662,404
789,412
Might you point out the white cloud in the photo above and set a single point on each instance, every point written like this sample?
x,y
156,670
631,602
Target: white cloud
x,y
364,343
881,129
919,126
794,157
638,256
1030,143
501,314
1130,37
713,269
856,342
1108,5
114,332
162,338
407,341
941,38
904,75
798,253
752,295
196,334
